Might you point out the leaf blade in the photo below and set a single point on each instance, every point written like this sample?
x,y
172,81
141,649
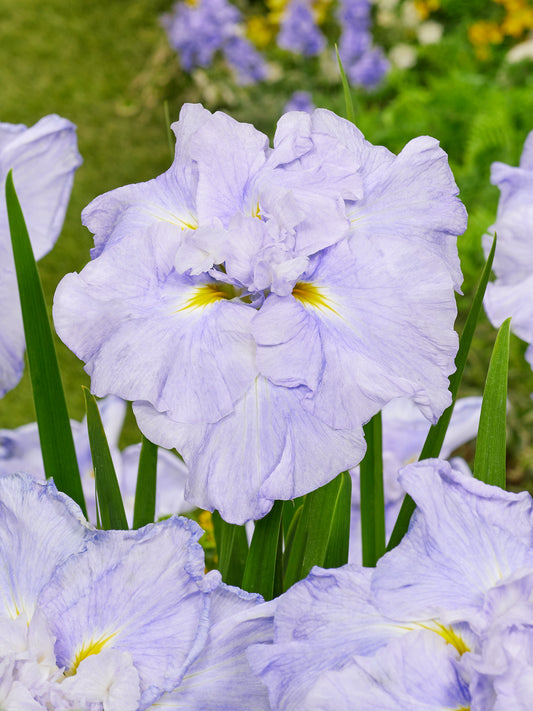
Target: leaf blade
x,y
372,495
109,496
146,488
316,528
55,434
262,563
348,100
489,461
232,549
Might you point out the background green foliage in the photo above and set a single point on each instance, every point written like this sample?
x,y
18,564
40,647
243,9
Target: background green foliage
x,y
106,66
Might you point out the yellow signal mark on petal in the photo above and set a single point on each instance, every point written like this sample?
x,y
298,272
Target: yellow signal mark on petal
x,y
448,634
208,294
187,225
95,646
311,295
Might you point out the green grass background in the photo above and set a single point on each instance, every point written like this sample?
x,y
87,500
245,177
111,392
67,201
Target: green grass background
x,y
106,66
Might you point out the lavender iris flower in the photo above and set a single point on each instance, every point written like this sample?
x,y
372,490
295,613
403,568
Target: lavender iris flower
x,y
274,298
442,622
115,620
510,294
299,32
43,158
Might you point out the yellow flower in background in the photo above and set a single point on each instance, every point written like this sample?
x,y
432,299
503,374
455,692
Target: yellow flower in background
x,y
320,10
260,30
276,10
426,7
484,33
517,21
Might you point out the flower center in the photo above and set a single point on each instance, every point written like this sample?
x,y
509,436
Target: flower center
x,y
311,295
207,294
95,646
449,635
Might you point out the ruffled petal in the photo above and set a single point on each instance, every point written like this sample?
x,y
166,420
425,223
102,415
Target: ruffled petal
x,y
221,679
148,333
278,451
141,592
228,155
465,537
417,672
39,529
12,341
44,159
383,324
166,204
320,623
410,197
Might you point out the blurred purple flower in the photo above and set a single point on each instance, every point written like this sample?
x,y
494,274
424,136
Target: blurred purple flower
x,y
511,294
364,64
197,30
43,159
300,101
368,69
242,56
299,32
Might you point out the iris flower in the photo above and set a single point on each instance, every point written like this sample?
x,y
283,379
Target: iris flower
x,y
438,624
116,620
260,304
43,159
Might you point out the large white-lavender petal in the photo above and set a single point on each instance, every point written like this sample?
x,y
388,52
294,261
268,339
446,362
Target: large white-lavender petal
x,y
107,678
221,678
43,158
513,261
142,592
146,332
465,538
12,341
278,451
39,529
410,197
320,624
166,203
418,672
369,325
512,300
229,155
